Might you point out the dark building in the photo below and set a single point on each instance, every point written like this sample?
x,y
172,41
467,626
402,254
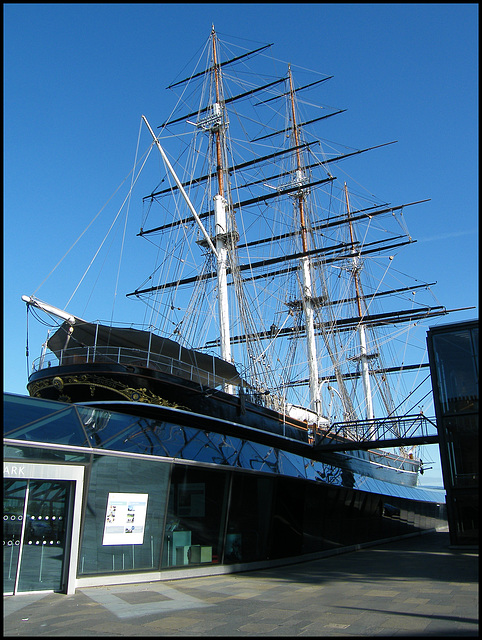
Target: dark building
x,y
454,365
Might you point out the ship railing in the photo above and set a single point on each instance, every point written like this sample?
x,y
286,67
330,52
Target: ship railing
x,y
133,357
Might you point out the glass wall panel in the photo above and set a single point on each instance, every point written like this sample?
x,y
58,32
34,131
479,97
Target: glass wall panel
x,y
462,434
292,465
249,518
457,371
310,471
228,451
453,354
287,525
335,517
328,474
56,422
253,456
22,410
314,517
201,446
368,514
107,430
196,516
262,458
132,479
467,518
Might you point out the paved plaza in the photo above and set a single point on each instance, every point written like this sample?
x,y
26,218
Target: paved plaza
x,y
416,586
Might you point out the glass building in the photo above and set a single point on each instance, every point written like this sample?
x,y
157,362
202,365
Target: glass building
x,y
96,497
453,354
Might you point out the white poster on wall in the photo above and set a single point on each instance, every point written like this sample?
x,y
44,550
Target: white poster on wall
x,y
125,518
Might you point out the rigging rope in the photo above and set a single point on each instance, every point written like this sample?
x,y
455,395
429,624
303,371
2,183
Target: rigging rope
x,y
127,198
81,235
127,218
26,346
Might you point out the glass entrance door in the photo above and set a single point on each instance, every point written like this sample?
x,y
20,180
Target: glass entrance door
x,y
36,513
14,492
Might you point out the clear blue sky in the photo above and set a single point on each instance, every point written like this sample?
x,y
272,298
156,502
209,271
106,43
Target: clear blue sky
x,y
77,78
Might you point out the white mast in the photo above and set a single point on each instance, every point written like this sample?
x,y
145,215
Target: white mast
x,y
219,251
307,288
220,248
315,401
220,221
365,371
222,259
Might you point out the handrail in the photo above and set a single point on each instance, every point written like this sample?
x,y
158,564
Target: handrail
x,y
126,356
148,360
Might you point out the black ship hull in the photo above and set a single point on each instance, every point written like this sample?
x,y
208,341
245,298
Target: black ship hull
x,y
128,387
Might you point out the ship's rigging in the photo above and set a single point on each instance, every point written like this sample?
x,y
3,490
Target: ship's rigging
x,y
276,281
299,252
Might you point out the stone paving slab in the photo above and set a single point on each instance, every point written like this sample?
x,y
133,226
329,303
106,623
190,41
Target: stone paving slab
x,y
417,586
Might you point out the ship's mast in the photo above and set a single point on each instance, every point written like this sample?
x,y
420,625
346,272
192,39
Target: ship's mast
x,y
356,266
305,264
220,215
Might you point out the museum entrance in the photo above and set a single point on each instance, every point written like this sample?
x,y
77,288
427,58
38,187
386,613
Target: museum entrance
x,y
35,520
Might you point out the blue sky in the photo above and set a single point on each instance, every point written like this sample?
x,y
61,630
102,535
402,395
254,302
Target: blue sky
x,y
77,78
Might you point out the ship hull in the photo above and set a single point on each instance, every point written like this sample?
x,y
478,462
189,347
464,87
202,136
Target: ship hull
x,y
129,386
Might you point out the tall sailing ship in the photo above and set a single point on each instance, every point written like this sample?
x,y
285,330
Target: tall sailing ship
x,y
266,305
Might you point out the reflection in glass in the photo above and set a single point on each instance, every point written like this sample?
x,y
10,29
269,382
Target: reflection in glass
x,y
105,429
19,411
61,426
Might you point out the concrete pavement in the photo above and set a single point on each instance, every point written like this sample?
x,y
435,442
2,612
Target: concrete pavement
x,y
416,586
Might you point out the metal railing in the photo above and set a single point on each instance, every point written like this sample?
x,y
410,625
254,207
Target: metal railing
x,y
392,431
127,356
149,360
